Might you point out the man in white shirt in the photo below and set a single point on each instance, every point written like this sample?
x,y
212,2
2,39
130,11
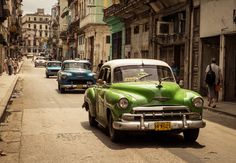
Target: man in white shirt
x,y
212,93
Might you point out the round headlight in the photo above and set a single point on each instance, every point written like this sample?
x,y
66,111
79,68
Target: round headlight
x,y
123,103
198,102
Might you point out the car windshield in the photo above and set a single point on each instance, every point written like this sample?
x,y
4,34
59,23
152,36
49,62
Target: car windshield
x,y
142,73
76,65
54,64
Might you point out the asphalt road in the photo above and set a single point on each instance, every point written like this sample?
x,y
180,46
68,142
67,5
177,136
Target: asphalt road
x,y
43,125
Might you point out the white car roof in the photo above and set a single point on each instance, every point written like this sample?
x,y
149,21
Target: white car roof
x,y
125,62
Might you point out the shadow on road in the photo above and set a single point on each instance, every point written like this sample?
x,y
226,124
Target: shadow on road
x,y
142,139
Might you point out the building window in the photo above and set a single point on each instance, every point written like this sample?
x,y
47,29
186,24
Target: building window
x,y
46,19
29,50
108,39
29,18
41,19
46,27
146,27
29,42
136,29
128,36
46,34
35,26
40,26
28,25
40,33
81,40
34,18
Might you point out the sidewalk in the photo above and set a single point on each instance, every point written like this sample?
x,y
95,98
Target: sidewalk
x,y
7,85
227,108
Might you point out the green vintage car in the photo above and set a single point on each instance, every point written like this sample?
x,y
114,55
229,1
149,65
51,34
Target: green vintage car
x,y
142,95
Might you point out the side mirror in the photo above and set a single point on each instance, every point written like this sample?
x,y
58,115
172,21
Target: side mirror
x,y
181,83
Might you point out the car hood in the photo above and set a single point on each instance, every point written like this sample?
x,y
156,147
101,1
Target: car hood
x,y
53,68
151,92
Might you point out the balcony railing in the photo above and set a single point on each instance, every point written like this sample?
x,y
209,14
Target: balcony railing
x,y
171,39
114,9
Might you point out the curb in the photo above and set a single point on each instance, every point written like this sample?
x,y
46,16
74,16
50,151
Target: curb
x,y
218,111
4,101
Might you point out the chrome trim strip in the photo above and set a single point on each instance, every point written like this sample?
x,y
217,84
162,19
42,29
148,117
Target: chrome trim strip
x,y
160,108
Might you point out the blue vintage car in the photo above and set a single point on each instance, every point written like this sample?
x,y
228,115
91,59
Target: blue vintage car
x,y
52,68
75,74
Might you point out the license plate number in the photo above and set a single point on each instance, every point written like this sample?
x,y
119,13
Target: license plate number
x,y
162,126
79,86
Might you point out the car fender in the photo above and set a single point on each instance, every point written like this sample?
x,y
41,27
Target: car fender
x,y
90,99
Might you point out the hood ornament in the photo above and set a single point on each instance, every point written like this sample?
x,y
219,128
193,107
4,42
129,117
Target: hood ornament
x,y
159,86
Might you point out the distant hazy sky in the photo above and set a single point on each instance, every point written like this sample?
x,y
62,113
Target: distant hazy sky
x,y
30,6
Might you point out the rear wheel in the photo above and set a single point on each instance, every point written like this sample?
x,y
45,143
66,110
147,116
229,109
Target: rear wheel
x,y
47,76
115,135
191,135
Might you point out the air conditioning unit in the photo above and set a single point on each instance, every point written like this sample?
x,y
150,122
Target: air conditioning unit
x,y
165,28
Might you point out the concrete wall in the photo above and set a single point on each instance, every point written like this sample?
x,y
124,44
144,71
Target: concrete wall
x,y
216,17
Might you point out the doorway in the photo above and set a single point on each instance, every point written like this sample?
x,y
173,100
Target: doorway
x,y
230,68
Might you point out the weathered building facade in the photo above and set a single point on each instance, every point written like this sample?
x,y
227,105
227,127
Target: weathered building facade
x,y
10,29
159,29
35,31
87,35
218,38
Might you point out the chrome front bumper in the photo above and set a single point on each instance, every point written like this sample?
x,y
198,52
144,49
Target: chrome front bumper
x,y
150,125
73,86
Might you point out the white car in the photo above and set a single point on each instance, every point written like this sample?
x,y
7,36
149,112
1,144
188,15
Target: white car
x,y
40,61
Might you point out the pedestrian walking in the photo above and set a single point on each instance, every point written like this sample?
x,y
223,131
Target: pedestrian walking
x,y
15,66
213,79
5,66
175,70
99,66
10,66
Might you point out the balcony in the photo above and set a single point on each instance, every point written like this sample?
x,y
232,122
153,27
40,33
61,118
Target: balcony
x,y
125,8
171,39
91,19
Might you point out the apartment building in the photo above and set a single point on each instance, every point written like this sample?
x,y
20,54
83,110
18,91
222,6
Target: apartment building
x,y
35,31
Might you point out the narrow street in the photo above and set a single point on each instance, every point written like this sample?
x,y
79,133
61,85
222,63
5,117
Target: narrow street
x,y
42,125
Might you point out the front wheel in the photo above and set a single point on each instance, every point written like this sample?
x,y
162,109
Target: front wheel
x,y
115,135
62,90
92,121
191,135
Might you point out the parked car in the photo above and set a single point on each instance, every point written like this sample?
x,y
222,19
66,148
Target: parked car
x,y
52,68
75,74
142,95
39,61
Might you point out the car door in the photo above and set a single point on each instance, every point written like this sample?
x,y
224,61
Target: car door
x,y
100,92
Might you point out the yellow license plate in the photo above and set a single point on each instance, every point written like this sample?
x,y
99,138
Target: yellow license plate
x,y
162,126
79,86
